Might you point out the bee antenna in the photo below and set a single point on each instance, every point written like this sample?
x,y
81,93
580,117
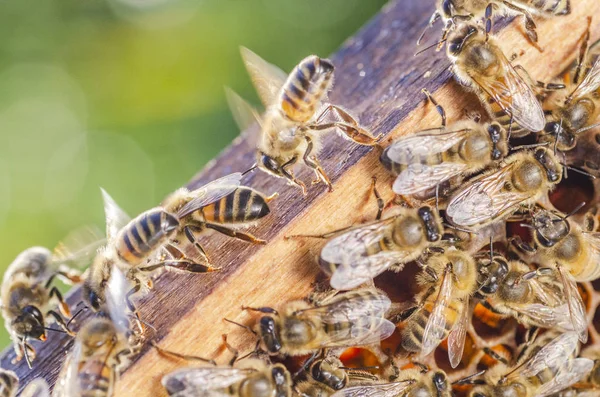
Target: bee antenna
x,y
433,19
558,135
60,331
468,379
429,47
78,313
359,368
491,248
25,351
579,171
458,228
249,170
589,127
530,146
580,206
526,225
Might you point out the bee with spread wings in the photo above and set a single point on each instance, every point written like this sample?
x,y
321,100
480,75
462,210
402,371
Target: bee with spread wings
x,y
480,64
495,195
549,370
576,109
354,318
431,157
356,255
297,114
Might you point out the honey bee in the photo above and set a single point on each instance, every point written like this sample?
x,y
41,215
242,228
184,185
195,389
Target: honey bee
x,y
356,255
297,114
532,297
410,383
353,318
443,309
9,383
251,378
495,195
575,109
574,253
452,11
329,375
141,246
478,63
549,370
425,160
28,297
102,348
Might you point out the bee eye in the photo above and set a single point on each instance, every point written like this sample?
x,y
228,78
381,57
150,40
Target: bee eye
x,y
455,47
552,128
447,8
94,300
270,164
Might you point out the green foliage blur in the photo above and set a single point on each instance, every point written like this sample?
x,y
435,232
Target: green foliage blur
x,y
128,95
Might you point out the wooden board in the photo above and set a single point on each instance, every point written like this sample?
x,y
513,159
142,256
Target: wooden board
x,y
378,78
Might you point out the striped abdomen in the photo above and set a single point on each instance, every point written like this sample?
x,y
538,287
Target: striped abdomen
x,y
8,383
384,244
95,379
305,88
486,313
412,335
241,206
144,235
555,7
396,166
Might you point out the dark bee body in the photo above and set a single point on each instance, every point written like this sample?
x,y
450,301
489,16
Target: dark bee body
x,y
305,88
244,205
9,382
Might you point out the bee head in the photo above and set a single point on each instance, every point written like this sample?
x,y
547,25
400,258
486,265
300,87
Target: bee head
x,y
431,222
565,138
281,379
493,275
92,297
549,227
552,167
328,372
440,382
498,137
269,334
458,38
30,323
270,165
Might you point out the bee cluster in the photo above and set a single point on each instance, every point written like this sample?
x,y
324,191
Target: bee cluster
x,y
504,281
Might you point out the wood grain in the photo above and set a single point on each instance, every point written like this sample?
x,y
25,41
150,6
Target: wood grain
x,y
378,78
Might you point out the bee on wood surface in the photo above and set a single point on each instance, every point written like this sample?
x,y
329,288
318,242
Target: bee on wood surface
x,y
9,384
141,246
479,64
576,108
297,115
28,297
353,318
453,11
548,370
522,179
425,160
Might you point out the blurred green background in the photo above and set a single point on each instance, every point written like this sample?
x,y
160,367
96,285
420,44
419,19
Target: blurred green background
x,y
128,95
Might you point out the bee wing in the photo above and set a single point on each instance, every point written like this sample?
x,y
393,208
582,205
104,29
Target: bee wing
x,y
514,96
210,193
36,388
410,149
435,328
542,315
590,83
365,331
554,356
116,299
482,199
417,177
243,113
457,337
116,218
194,381
266,77
578,369
381,390
349,307
576,306
79,247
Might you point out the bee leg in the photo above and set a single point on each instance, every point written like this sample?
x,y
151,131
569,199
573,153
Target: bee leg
x,y
23,349
380,203
266,310
530,27
495,355
235,234
422,367
349,126
189,234
520,244
290,176
175,354
62,305
321,236
236,352
307,364
60,321
438,107
69,276
313,163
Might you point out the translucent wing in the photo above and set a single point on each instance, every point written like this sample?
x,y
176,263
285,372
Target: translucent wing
x,y
417,177
361,332
590,83
593,242
414,148
79,247
210,193
350,306
243,113
116,218
188,381
540,314
457,337
266,78
483,199
352,253
576,306
115,299
36,388
553,356
435,329
514,96
578,369
380,390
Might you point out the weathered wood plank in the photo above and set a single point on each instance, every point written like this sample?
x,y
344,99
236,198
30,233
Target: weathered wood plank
x,y
378,78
